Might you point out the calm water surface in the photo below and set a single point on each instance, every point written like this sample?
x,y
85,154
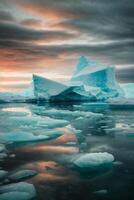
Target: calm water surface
x,y
56,179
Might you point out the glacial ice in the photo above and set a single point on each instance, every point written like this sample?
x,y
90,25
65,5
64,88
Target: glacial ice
x,y
91,81
45,88
21,191
99,76
128,89
7,97
94,161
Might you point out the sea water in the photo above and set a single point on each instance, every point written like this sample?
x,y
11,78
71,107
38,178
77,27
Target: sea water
x,y
72,130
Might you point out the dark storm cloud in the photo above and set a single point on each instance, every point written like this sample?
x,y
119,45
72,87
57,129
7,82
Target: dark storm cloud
x,y
105,19
117,51
6,16
11,32
126,75
109,23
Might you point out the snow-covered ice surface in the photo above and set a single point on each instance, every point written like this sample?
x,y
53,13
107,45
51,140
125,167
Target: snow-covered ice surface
x,y
66,150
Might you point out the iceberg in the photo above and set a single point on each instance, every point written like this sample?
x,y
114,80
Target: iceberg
x,y
91,81
58,113
128,89
94,161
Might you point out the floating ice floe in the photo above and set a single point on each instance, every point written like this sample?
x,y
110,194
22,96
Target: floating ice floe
x,y
33,121
3,155
119,132
65,113
22,174
24,137
93,161
101,192
21,191
2,148
3,174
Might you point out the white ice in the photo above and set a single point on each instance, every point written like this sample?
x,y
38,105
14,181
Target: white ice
x,y
93,161
21,191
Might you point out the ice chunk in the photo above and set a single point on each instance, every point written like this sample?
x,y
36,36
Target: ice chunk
x,y
128,89
121,103
3,155
26,137
101,192
94,161
45,122
16,195
65,113
22,137
2,148
45,88
21,191
121,132
22,174
3,174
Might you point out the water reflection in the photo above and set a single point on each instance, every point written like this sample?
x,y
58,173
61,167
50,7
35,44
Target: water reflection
x,y
111,132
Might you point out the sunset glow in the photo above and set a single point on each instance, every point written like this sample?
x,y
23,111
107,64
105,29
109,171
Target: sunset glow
x,y
47,37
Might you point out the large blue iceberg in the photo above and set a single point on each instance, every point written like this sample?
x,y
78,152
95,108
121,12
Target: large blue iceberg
x,y
90,81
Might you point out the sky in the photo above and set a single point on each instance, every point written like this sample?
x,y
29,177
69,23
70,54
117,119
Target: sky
x,y
47,37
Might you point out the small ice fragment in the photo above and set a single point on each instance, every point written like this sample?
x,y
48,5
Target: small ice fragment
x,y
22,174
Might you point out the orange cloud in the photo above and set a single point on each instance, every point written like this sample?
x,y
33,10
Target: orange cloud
x,y
45,11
